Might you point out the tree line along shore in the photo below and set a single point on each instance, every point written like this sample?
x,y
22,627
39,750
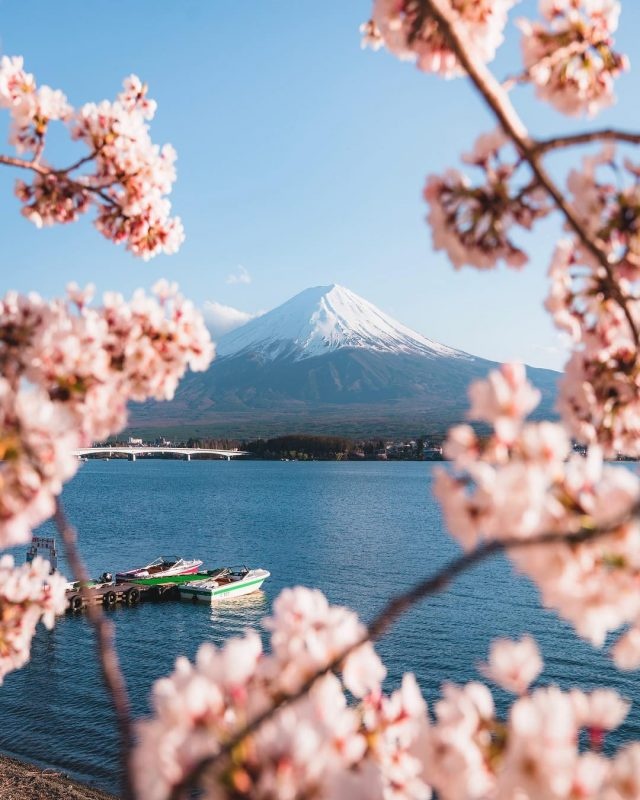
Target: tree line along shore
x,y
307,447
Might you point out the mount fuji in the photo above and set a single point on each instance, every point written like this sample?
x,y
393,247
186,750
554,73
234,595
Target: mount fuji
x,y
327,360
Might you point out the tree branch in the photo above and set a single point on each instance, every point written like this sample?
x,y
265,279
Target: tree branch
x,y
498,100
391,612
99,191
22,163
604,135
107,654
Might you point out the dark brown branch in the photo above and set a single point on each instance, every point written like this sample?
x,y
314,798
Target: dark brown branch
x,y
391,612
498,100
604,135
22,163
107,654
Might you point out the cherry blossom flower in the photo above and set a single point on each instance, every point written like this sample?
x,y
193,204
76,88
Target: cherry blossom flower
x,y
130,176
626,651
36,457
504,399
308,634
624,783
472,223
513,665
569,57
411,34
70,369
317,746
526,484
599,711
29,594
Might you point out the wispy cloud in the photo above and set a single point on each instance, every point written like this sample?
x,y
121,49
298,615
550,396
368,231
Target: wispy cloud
x,y
241,275
221,319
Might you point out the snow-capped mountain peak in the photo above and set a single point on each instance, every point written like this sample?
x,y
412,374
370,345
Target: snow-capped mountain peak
x,y
324,319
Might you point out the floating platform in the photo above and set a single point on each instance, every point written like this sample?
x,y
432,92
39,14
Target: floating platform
x,y
110,594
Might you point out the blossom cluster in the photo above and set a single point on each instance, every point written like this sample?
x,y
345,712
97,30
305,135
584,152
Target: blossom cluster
x,y
28,594
473,223
70,369
379,746
599,308
523,481
411,33
130,178
569,57
318,746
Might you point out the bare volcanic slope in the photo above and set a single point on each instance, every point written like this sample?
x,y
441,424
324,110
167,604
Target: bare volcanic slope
x,y
328,359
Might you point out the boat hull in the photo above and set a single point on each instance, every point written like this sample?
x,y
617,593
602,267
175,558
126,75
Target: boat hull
x,y
183,578
209,592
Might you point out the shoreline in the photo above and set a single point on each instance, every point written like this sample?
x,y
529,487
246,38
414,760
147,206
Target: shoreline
x,y
20,780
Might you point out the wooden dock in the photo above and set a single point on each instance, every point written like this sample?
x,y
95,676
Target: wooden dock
x,y
110,594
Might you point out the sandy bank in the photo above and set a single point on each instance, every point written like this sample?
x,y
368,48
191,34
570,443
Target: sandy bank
x,y
22,781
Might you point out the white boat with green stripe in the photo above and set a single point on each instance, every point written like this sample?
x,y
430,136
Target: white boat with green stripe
x,y
224,584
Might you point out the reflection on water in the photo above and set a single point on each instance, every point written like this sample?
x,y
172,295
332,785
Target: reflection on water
x,y
359,532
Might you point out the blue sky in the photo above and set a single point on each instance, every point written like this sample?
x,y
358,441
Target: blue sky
x,y
300,158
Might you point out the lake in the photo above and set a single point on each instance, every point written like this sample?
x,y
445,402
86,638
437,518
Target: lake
x,y
357,531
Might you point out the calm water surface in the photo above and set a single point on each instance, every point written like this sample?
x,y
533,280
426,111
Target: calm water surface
x,y
358,531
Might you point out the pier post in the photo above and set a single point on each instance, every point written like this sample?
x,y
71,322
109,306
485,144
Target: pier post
x,y
132,456
188,456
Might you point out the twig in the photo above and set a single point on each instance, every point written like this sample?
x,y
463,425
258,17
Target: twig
x,y
107,654
99,191
388,616
604,135
22,163
499,102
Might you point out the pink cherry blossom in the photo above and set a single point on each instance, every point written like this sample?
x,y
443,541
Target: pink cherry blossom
x,y
506,396
411,34
318,746
523,483
513,665
70,369
599,710
569,57
125,176
37,438
28,594
626,651
473,223
624,782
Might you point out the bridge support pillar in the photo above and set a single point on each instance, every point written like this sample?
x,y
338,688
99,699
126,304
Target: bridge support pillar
x,y
132,456
188,456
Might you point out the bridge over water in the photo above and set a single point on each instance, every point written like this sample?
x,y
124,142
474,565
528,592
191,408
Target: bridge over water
x,y
132,452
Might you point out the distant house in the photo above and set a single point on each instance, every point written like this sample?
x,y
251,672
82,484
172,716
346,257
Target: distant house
x,y
132,441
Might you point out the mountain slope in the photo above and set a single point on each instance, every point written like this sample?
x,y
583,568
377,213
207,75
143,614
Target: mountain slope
x,y
324,319
328,360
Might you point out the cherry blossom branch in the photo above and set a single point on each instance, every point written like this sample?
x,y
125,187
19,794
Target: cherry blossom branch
x,y
604,135
107,653
394,609
22,163
498,100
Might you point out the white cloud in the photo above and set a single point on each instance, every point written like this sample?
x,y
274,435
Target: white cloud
x,y
221,319
241,275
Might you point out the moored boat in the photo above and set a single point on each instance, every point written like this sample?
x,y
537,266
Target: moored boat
x,y
227,583
162,567
158,581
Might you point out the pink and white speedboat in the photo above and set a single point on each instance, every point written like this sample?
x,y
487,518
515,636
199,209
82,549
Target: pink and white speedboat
x,y
163,567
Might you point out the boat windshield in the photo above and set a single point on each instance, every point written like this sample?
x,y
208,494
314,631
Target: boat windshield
x,y
164,561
